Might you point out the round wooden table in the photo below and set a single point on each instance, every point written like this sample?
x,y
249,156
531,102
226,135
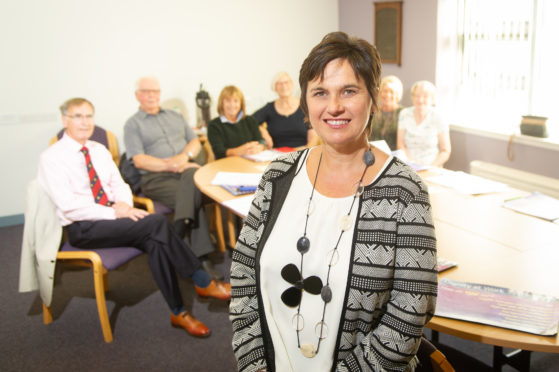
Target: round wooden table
x,y
492,245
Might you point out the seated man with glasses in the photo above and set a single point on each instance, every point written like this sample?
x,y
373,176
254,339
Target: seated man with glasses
x,y
163,147
95,205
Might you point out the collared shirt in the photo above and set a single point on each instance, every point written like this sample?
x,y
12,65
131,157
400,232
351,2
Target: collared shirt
x,y
162,135
63,175
239,117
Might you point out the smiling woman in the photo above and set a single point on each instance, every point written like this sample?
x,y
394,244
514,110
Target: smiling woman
x,y
331,270
423,133
233,133
338,105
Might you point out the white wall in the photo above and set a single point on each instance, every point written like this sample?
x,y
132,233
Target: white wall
x,y
54,50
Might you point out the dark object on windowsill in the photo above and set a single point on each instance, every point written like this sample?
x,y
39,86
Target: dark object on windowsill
x,y
534,126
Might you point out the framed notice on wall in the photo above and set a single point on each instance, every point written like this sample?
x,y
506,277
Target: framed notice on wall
x,y
388,31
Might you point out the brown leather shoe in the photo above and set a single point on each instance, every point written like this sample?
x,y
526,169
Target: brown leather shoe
x,y
192,325
216,289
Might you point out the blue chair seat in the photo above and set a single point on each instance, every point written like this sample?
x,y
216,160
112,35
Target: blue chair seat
x,y
111,257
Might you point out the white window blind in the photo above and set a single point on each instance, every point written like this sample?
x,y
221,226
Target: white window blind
x,y
506,63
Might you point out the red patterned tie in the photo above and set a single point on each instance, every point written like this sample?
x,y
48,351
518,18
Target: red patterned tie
x,y
94,181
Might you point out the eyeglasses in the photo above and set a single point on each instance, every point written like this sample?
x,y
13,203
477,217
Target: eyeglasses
x,y
78,117
148,91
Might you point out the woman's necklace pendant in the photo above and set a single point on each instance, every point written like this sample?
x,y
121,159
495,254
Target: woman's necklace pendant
x,y
345,223
308,350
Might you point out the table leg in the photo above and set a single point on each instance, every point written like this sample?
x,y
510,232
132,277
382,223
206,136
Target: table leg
x,y
434,336
231,229
519,359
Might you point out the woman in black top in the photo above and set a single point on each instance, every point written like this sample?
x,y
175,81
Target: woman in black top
x,y
233,133
284,118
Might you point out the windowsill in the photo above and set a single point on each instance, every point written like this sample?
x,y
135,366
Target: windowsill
x,y
550,143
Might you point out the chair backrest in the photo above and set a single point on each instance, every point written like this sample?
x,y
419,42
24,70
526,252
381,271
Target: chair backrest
x,y
101,135
130,174
431,359
207,148
176,104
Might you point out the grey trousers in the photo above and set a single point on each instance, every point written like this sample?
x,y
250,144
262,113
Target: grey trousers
x,y
178,191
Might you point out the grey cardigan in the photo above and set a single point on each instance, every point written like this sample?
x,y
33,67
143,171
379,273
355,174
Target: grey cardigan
x,y
392,283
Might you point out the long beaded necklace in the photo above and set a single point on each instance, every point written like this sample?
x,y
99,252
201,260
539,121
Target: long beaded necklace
x,y
303,246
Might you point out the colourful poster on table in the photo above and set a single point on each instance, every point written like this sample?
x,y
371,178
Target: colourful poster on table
x,y
498,306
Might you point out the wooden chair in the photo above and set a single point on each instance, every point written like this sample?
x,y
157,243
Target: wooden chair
x,y
216,219
431,359
101,260
41,251
177,105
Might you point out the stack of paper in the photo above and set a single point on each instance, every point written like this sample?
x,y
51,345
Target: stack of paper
x,y
466,183
266,155
237,183
401,154
536,204
240,205
444,264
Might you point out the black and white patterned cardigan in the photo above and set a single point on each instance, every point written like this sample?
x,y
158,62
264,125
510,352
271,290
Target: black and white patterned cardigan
x,y
392,285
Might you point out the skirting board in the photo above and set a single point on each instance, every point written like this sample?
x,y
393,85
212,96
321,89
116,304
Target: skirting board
x,y
15,219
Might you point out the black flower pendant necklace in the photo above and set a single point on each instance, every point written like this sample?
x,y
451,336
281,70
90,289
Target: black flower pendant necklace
x,y
313,284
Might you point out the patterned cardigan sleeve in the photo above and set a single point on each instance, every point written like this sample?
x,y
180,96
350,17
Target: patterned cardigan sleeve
x,y
248,344
392,341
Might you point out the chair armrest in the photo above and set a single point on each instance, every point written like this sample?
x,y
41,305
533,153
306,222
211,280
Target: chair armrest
x,y
145,203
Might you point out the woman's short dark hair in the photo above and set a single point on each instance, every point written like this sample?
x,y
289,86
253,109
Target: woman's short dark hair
x,y
361,55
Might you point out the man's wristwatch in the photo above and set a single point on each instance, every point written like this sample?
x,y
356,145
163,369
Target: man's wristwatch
x,y
190,155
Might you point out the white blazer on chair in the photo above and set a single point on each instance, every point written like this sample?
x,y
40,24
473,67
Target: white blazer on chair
x,y
42,233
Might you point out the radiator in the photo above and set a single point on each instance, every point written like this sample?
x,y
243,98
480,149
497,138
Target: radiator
x,y
516,178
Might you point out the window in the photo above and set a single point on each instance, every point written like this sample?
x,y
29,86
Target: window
x,y
504,63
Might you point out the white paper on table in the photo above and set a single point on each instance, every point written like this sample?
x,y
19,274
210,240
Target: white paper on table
x,y
240,205
237,178
536,204
401,154
466,183
266,155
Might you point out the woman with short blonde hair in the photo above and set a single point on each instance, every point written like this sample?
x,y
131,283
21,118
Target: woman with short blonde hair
x,y
285,121
423,133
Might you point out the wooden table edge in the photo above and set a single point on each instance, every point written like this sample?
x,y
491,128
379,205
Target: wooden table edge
x,y
438,324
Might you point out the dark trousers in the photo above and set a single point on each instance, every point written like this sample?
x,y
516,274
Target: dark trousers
x,y
178,192
167,254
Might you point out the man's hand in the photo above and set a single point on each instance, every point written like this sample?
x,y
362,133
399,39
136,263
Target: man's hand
x,y
123,210
186,166
180,162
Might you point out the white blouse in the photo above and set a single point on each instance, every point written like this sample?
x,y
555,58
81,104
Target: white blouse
x,y
422,140
280,249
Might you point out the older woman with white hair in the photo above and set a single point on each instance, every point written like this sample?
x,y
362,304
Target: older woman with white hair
x,y
284,118
385,121
422,132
